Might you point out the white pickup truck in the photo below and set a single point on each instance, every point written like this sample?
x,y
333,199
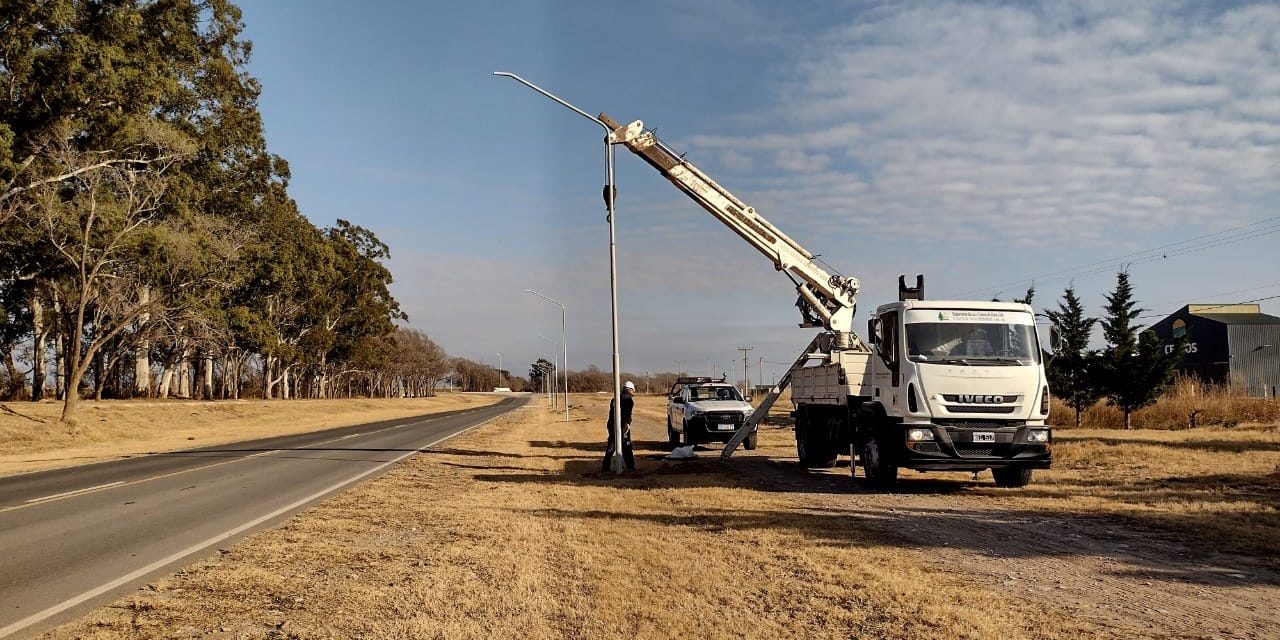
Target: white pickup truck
x,y
704,410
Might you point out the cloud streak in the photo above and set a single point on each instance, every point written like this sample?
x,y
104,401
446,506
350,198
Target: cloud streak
x,y
1034,125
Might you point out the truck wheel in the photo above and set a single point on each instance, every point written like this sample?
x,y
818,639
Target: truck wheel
x,y
878,471
673,438
1012,477
688,435
750,443
814,450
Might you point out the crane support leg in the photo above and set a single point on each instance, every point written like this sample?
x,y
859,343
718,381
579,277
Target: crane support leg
x,y
757,416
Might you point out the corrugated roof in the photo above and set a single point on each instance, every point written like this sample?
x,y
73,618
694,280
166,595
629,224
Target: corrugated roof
x,y
1240,318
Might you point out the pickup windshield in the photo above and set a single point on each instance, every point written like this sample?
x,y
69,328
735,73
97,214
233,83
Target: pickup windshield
x,y
697,394
972,343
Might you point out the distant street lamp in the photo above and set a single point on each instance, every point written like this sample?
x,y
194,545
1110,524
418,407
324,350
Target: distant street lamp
x,y
610,191
555,363
564,345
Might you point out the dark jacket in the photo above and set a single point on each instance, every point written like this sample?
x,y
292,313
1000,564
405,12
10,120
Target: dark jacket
x,y
627,403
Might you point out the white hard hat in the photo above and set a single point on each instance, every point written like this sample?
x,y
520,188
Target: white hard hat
x,y
629,385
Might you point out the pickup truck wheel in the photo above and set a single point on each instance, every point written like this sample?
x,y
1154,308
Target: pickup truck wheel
x,y
688,435
1012,477
750,443
878,471
673,438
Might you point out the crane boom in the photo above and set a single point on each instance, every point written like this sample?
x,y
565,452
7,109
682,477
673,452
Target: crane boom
x,y
825,300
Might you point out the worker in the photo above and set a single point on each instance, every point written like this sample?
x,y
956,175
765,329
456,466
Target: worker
x,y
628,390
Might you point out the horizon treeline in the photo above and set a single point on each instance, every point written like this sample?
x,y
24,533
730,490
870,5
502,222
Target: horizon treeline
x,y
149,246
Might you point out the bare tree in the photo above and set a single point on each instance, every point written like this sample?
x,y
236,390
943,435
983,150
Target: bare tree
x,y
94,217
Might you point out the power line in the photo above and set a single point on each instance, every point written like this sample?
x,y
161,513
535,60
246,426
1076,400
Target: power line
x,y
1240,233
1216,306
1220,293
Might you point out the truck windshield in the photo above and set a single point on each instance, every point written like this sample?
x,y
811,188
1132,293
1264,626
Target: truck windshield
x,y
713,393
972,343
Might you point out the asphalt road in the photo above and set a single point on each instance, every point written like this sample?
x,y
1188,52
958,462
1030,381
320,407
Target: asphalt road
x,y
77,538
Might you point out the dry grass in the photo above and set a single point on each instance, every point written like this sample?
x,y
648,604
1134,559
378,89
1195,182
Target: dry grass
x,y
512,532
31,438
1213,405
1217,489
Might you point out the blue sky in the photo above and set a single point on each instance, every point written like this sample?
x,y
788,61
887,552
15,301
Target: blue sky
x,y
983,144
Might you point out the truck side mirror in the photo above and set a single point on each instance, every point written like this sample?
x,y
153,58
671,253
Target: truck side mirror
x,y
873,330
677,400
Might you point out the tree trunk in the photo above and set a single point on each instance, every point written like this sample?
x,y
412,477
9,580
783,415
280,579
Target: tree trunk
x,y
39,332
184,377
142,357
166,377
1077,408
284,384
18,388
268,378
207,380
59,354
1127,425
99,375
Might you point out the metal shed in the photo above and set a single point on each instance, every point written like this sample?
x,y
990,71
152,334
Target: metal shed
x,y
1227,343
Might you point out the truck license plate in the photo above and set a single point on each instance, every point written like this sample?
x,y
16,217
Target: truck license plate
x,y
725,427
984,436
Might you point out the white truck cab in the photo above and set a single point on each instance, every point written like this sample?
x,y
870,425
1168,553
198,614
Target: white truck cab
x,y
946,385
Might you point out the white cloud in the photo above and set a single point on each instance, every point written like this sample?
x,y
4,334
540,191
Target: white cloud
x,y
1036,124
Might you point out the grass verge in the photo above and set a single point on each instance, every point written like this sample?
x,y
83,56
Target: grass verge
x,y
32,438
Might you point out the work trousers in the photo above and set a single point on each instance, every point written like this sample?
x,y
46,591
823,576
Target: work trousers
x,y
627,456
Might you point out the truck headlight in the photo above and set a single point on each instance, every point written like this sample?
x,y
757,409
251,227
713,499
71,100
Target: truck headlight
x,y
1038,436
917,435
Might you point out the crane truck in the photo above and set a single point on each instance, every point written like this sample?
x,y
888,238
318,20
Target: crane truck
x,y
937,385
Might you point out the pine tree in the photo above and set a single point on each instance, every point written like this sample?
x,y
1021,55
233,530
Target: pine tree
x,y
1133,369
1069,372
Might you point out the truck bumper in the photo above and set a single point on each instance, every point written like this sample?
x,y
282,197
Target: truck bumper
x,y
955,448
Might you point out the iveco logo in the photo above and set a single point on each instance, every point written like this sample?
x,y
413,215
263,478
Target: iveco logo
x,y
971,399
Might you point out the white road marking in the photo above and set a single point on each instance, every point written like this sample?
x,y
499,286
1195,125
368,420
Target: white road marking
x,y
200,546
72,493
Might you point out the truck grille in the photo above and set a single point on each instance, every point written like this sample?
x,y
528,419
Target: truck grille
x,y
978,424
968,408
974,450
724,417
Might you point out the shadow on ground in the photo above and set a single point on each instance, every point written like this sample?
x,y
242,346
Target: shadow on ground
x,y
1157,544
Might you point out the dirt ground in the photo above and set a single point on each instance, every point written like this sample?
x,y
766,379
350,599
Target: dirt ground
x,y
512,531
31,438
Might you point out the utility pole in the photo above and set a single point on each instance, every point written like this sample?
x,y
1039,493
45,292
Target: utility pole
x,y
610,193
760,371
746,371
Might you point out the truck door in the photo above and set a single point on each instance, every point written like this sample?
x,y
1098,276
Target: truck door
x,y
890,347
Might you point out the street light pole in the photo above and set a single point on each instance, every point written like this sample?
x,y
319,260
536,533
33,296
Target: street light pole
x,y
500,371
564,344
555,361
610,191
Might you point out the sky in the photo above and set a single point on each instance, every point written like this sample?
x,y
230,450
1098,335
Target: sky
x,y
989,146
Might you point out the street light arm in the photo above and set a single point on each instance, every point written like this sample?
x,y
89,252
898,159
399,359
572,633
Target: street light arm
x,y
552,96
544,297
